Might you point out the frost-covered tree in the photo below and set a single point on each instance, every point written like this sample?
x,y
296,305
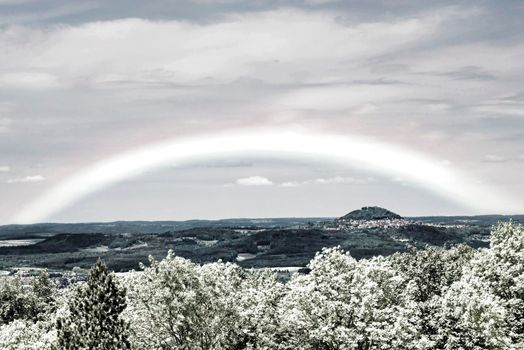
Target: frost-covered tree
x,y
27,335
176,304
33,330
470,317
345,304
431,272
432,269
26,299
501,269
431,299
93,321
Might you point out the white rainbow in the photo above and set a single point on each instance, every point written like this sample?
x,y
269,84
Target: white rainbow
x,y
357,151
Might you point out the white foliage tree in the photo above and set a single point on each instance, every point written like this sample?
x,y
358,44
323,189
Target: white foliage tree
x,y
432,299
345,304
501,269
470,317
431,272
176,304
27,335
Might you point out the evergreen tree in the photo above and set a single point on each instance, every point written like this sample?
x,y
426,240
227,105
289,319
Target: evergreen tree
x,y
94,322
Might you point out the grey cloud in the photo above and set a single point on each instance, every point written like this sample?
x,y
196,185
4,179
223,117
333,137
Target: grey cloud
x,y
205,11
183,68
518,97
23,12
466,73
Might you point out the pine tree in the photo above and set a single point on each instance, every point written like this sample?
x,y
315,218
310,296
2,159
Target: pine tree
x,y
94,321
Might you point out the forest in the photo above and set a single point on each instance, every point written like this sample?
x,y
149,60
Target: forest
x,y
457,297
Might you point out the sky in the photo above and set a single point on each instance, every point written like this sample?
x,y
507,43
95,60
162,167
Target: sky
x,y
85,82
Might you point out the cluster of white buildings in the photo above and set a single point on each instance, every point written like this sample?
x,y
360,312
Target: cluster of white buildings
x,y
345,224
382,223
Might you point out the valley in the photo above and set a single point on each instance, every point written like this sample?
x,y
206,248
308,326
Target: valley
x,y
283,243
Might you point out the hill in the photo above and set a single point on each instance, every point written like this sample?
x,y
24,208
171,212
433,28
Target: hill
x,y
370,213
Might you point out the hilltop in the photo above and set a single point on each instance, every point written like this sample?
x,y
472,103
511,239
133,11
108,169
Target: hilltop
x,y
370,213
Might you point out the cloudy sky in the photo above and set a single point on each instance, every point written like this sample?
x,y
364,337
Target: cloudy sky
x,y
84,82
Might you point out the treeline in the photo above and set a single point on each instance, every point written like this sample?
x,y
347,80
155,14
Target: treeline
x,y
458,298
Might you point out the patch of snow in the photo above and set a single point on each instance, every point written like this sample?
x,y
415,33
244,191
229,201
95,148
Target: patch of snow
x,y
245,256
98,249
